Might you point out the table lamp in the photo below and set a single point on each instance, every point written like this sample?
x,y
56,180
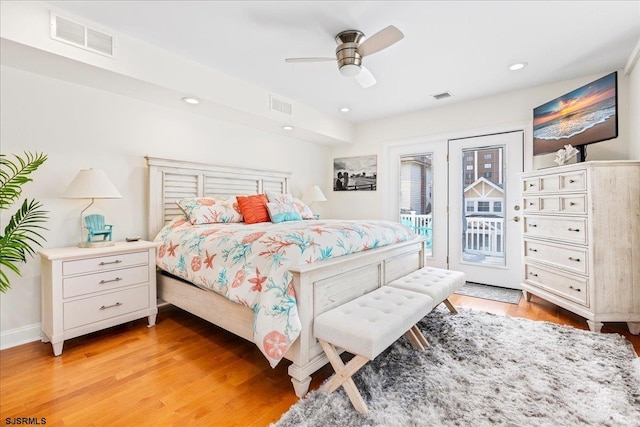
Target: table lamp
x,y
314,194
93,184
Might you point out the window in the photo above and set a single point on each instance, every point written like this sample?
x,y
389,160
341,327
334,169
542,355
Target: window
x,y
470,206
487,156
487,175
483,206
469,167
469,176
497,206
487,165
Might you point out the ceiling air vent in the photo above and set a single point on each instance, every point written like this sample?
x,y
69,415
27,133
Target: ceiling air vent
x,y
280,105
72,32
443,95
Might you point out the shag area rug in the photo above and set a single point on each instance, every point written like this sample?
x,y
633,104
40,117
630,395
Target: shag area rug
x,y
495,293
488,370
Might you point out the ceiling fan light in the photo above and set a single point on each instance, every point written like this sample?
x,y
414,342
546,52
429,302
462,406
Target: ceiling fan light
x,y
350,70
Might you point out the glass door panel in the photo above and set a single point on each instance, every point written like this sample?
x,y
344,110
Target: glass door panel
x,y
416,196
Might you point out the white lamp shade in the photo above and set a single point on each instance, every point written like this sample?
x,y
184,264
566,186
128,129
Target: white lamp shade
x,y
314,194
91,184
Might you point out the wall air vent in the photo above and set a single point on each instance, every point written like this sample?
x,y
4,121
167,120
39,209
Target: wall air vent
x,y
443,95
72,32
280,105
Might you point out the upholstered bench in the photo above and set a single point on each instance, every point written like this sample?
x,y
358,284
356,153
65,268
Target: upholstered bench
x,y
434,282
365,327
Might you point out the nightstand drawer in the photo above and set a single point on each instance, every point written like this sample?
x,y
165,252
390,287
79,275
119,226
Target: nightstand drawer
x,y
89,310
103,263
97,282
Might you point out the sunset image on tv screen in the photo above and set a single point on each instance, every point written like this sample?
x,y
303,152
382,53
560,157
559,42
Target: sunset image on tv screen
x,y
583,116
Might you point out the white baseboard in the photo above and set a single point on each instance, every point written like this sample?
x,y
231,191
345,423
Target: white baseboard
x,y
19,336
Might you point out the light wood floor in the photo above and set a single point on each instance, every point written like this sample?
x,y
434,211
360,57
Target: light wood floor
x,y
184,371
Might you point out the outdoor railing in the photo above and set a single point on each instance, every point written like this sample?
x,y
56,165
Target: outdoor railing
x,y
482,235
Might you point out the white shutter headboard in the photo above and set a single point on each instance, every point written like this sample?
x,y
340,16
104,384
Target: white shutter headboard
x,y
172,180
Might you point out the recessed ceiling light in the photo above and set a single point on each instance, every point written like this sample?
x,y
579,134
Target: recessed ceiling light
x,y
287,127
517,66
345,109
191,100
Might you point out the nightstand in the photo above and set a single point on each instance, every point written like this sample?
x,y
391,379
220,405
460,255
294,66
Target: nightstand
x,y
88,289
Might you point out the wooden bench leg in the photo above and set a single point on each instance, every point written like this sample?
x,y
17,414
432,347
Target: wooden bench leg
x,y
450,306
419,335
343,374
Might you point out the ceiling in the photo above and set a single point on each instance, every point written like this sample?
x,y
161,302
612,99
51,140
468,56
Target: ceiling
x,y
464,48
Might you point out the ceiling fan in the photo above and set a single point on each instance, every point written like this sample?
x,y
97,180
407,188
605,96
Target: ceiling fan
x,y
351,49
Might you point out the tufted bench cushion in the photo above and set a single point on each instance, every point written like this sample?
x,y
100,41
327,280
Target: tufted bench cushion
x,y
366,326
435,282
369,324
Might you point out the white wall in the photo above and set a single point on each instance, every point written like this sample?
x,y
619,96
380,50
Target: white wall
x,y
496,113
80,127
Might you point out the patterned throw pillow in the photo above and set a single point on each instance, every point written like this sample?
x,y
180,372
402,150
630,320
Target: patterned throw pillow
x,y
280,212
254,208
208,210
305,211
279,197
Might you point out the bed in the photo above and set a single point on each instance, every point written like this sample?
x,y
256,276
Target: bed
x,y
318,286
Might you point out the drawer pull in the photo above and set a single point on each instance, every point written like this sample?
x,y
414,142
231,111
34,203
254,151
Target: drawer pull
x,y
533,274
110,262
574,229
117,279
533,250
531,184
571,181
530,203
572,203
574,259
575,289
533,225
104,307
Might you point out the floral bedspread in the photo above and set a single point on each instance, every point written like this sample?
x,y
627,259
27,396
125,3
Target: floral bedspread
x,y
248,264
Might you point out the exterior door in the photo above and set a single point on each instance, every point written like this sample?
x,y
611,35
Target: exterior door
x,y
484,213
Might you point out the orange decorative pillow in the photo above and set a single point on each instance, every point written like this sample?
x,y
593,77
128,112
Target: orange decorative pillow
x,y
254,208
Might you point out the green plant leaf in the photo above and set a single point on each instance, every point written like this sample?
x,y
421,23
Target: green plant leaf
x,y
22,233
14,175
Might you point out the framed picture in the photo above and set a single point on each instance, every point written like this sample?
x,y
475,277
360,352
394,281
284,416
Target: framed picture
x,y
355,173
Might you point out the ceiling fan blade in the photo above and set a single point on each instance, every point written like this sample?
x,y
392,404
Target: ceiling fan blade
x,y
365,78
380,40
309,59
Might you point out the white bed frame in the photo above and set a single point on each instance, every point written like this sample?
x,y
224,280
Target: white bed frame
x,y
319,286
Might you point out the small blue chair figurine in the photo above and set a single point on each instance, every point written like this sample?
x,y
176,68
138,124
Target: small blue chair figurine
x,y
97,227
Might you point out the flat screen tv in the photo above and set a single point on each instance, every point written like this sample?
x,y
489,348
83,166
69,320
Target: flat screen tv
x,y
583,116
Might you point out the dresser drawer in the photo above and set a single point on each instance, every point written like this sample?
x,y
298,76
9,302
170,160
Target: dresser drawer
x,y
94,309
570,288
576,203
573,181
558,228
571,258
90,265
334,291
567,181
103,281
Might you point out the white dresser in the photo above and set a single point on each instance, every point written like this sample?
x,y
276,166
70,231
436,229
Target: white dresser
x,y
88,289
582,239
